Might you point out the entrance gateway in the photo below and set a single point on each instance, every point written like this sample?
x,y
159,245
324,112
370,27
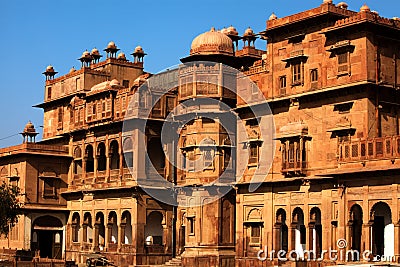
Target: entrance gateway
x,y
47,233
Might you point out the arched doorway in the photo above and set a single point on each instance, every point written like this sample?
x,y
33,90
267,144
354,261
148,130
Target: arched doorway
x,y
182,234
382,230
126,227
47,233
76,223
283,229
299,232
154,230
315,231
112,228
355,225
100,232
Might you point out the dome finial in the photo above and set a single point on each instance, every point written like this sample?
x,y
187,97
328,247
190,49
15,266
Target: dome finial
x,y
273,16
342,5
365,8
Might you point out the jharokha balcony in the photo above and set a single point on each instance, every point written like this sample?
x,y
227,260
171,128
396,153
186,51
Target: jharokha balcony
x,y
370,152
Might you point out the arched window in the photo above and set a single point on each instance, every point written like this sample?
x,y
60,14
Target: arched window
x,y
316,231
101,157
153,230
254,224
76,225
300,231
112,228
382,230
283,229
207,147
77,161
100,232
143,96
126,227
227,222
89,158
114,155
156,155
87,228
227,153
355,225
128,152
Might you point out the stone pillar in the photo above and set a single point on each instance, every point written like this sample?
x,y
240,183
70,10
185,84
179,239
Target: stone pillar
x,y
121,235
166,238
84,167
108,161
292,237
95,164
84,233
121,156
349,234
333,234
96,237
276,237
367,234
397,241
310,239
245,234
80,236
108,232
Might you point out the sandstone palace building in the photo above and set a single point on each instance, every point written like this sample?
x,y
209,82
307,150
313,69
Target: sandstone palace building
x,y
331,77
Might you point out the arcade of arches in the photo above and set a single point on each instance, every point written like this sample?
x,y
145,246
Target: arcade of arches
x,y
101,231
373,230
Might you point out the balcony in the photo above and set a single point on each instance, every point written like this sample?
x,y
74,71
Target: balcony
x,y
370,149
294,167
295,55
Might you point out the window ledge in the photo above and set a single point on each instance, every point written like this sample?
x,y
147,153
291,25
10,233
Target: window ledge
x,y
344,73
252,165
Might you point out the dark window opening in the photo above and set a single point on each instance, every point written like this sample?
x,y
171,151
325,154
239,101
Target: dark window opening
x,y
296,74
282,85
89,159
49,189
314,75
48,93
191,225
255,234
253,150
125,83
343,107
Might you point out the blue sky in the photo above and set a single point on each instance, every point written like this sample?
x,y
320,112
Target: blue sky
x,y
37,33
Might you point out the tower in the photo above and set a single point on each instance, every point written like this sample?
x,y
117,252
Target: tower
x,y
207,199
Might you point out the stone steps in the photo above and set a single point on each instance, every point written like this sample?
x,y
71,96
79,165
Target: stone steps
x,y
177,261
